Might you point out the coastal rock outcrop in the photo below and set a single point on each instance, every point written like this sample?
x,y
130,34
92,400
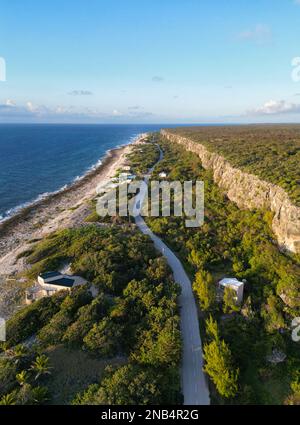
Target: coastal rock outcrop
x,y
250,192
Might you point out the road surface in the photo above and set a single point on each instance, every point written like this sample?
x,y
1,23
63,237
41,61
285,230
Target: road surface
x,y
194,385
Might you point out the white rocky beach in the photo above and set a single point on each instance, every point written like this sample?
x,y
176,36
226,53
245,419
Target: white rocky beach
x,y
67,208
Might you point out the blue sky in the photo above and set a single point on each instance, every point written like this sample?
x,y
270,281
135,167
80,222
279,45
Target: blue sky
x,y
149,61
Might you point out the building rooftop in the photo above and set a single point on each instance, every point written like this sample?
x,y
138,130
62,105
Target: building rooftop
x,y
48,275
57,278
63,281
231,281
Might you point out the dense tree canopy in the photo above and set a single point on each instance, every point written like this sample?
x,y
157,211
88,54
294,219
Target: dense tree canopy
x,y
133,316
237,243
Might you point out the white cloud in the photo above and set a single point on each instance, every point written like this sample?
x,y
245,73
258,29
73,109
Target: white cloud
x,y
9,102
116,113
276,107
38,109
30,112
260,34
30,106
10,111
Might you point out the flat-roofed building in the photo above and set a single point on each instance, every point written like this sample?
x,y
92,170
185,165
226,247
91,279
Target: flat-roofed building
x,y
49,283
235,285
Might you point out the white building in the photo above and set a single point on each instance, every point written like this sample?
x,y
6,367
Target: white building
x,y
51,282
162,175
234,284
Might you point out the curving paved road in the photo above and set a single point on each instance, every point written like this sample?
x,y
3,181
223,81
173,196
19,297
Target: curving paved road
x,y
194,385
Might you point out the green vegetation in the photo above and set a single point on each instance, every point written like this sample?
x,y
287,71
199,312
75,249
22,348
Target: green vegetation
x,y
29,320
294,397
23,380
218,362
236,243
205,290
74,370
133,316
133,384
272,152
127,334
143,156
229,301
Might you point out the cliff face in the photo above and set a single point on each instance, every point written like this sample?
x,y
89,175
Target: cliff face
x,y
248,191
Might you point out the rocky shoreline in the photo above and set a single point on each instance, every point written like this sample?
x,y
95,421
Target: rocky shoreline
x,y
67,208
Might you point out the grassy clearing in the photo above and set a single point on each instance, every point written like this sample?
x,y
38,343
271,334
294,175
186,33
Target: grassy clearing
x,y
73,371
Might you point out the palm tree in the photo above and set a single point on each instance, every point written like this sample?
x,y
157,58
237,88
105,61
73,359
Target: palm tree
x,y
8,400
39,395
41,366
19,352
22,377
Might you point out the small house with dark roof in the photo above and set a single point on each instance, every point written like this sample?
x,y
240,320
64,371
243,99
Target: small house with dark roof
x,y
49,283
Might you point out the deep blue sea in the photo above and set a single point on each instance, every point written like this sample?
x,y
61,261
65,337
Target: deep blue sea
x,y
36,160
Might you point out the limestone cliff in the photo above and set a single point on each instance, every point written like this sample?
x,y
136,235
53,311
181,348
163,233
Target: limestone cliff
x,y
248,191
